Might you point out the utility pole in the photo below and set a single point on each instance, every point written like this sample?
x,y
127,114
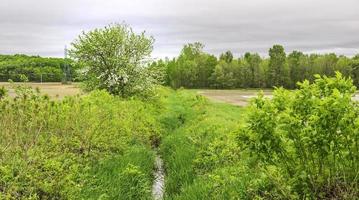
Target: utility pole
x,y
66,67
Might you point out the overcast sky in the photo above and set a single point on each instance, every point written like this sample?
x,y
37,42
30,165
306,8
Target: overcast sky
x,y
44,27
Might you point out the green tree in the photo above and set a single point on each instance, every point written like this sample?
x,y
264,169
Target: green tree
x,y
255,76
297,70
278,74
114,57
343,65
159,70
193,68
225,75
355,70
184,72
205,68
227,56
36,68
325,64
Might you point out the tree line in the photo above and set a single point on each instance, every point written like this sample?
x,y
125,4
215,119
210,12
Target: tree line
x,y
194,68
35,68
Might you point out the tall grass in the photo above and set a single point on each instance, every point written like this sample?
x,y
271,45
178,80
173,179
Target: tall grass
x,y
200,142
300,145
96,146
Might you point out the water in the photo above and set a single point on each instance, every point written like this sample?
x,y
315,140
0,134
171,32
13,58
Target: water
x,y
159,182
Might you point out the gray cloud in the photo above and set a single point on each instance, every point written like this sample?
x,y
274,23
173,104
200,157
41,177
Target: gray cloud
x,y
44,27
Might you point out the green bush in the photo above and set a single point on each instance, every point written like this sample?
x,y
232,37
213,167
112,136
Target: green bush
x,y
3,92
311,135
301,144
51,149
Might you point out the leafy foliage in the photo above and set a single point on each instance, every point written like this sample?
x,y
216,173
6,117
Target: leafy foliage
x,y
311,135
77,148
3,92
114,59
194,68
34,67
301,144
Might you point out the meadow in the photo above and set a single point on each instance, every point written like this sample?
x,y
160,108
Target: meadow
x,y
99,146
89,147
138,130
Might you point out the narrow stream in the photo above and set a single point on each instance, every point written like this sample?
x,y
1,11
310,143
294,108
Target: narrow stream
x,y
159,182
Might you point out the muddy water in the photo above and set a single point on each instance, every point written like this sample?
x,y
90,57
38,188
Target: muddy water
x,y
159,182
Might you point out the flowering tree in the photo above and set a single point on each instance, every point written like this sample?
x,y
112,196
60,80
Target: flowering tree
x,y
114,58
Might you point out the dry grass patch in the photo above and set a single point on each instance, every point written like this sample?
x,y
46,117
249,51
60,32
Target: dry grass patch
x,y
54,90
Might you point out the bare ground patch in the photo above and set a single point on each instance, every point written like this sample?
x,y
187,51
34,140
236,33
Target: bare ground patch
x,y
234,97
240,97
54,90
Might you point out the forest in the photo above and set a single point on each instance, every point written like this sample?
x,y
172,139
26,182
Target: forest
x,y
35,68
194,68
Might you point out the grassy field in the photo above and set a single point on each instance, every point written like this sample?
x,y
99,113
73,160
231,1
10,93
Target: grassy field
x,y
199,142
99,146
54,90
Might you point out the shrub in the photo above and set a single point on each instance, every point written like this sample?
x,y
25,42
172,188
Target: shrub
x,y
311,134
50,149
3,92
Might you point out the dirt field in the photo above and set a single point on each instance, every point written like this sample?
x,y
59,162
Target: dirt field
x,y
54,90
240,97
235,97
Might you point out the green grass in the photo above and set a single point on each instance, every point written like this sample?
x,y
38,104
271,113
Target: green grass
x,y
121,177
91,147
300,145
200,142
103,147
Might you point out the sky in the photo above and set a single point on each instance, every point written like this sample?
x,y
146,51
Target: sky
x,y
44,27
